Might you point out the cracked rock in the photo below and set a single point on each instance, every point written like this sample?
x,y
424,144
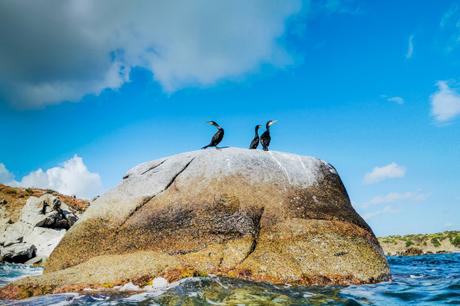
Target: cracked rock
x,y
262,216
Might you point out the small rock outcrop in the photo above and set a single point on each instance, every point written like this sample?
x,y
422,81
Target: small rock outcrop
x,y
38,231
260,216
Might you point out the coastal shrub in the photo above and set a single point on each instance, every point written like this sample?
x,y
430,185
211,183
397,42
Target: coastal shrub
x,y
435,242
455,241
409,243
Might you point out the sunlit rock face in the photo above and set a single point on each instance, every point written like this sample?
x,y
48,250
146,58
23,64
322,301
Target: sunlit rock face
x,y
37,231
261,216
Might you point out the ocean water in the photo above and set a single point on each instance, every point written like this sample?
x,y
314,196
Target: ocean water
x,y
417,280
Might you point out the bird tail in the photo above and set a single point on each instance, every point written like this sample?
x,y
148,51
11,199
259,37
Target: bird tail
x,y
205,147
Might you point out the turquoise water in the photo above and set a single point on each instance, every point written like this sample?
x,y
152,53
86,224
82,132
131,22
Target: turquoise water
x,y
417,280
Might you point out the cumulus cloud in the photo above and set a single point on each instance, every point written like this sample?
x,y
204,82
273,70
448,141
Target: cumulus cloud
x,y
57,50
445,103
410,47
389,171
71,178
5,175
397,197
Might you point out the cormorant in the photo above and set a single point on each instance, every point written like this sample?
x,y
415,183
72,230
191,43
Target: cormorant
x,y
57,207
45,205
218,136
265,138
255,142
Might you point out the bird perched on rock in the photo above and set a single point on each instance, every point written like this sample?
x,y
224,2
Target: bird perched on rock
x,y
265,138
255,141
57,207
45,205
218,136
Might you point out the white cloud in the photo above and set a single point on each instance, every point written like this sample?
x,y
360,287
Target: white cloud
x,y
67,49
445,103
389,171
71,178
410,47
397,197
450,24
338,7
5,175
386,210
396,99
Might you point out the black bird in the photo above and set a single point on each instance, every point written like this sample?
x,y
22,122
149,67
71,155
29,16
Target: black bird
x,y
218,136
265,138
255,142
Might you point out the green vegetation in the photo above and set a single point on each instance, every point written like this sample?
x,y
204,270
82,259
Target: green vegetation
x,y
424,239
455,240
435,242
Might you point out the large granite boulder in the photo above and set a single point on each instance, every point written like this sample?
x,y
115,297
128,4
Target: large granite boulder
x,y
261,216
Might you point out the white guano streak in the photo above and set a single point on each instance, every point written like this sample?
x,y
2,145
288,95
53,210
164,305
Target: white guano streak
x,y
281,166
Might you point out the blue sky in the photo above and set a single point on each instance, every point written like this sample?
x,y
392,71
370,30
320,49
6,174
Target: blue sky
x,y
371,87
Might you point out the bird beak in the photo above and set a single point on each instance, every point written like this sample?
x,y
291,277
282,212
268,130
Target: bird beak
x,y
273,122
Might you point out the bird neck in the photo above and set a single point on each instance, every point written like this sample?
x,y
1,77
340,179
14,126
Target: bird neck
x,y
257,131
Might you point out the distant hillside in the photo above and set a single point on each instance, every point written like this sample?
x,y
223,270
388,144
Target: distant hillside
x,y
417,244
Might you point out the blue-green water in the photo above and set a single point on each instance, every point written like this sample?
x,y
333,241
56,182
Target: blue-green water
x,y
417,280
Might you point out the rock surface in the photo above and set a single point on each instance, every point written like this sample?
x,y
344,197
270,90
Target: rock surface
x,y
18,253
37,231
261,216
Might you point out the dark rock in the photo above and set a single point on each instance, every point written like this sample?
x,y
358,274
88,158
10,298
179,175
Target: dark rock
x,y
58,220
412,252
18,253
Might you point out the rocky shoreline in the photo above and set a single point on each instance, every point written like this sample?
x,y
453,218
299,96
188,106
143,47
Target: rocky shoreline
x,y
33,222
419,244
